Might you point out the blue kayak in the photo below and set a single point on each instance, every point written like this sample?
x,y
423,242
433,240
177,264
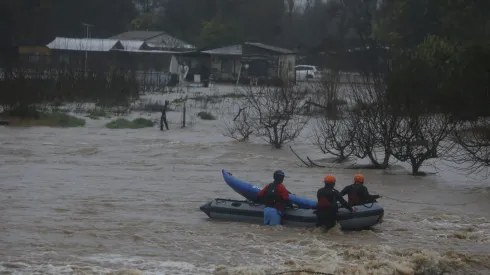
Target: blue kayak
x,y
250,191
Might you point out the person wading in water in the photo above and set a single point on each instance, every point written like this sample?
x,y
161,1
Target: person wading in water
x,y
163,119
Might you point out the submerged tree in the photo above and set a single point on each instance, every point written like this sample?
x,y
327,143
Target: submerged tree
x,y
276,112
236,120
374,118
334,131
335,136
419,76
422,137
473,145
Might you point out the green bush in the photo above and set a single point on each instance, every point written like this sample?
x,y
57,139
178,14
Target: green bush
x,y
122,123
64,120
143,122
206,116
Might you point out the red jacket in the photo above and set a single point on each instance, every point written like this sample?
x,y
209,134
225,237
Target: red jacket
x,y
283,193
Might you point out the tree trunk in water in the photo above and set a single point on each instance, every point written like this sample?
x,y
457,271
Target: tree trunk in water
x,y
341,158
183,116
386,160
373,160
277,142
415,167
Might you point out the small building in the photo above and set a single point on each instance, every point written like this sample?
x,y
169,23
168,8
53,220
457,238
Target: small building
x,y
241,62
151,66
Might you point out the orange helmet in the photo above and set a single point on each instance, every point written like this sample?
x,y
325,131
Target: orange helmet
x,y
329,178
358,178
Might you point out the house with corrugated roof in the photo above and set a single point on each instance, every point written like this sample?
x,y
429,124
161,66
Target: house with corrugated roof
x,y
150,64
240,62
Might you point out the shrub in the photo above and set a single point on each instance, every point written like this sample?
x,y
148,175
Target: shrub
x,y
206,116
122,123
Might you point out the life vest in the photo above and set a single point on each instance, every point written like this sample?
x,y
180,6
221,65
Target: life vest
x,y
353,195
324,203
271,196
326,197
354,198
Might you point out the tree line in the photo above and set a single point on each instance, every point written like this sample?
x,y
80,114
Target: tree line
x,y
294,24
424,92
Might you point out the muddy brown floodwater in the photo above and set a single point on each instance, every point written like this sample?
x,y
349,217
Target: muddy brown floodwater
x,y
96,201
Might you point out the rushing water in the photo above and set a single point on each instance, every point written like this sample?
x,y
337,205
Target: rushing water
x,y
96,201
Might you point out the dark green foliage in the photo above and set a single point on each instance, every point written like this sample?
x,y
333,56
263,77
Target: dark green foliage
x,y
122,123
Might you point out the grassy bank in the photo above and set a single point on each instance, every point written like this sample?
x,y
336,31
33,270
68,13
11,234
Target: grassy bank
x,y
61,120
122,123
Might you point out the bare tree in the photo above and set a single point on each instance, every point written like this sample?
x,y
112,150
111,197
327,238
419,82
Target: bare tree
x,y
420,137
473,145
335,136
236,120
334,132
276,112
375,119
371,112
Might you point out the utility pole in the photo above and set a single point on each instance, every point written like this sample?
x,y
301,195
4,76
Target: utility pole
x,y
87,26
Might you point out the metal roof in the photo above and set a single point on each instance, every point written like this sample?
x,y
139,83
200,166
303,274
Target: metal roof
x,y
238,49
229,50
270,48
154,39
132,45
167,41
147,51
137,35
84,44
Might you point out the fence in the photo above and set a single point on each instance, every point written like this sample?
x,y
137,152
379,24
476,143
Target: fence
x,y
152,81
149,81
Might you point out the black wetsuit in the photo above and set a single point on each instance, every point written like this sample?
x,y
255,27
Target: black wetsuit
x,y
326,212
358,194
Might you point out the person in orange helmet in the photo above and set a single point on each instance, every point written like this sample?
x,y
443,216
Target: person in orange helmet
x,y
326,212
358,193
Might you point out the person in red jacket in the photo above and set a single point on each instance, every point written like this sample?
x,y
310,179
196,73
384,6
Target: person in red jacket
x,y
358,193
274,196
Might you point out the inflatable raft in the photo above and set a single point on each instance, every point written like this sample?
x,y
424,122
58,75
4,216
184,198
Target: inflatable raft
x,y
250,191
365,216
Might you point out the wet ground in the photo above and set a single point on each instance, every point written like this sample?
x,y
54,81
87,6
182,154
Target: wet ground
x,y
95,201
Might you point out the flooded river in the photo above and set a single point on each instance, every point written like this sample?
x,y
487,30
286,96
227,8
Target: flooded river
x,y
97,201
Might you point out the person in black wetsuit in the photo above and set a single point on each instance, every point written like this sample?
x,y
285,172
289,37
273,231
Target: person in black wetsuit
x,y
326,213
163,118
358,193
